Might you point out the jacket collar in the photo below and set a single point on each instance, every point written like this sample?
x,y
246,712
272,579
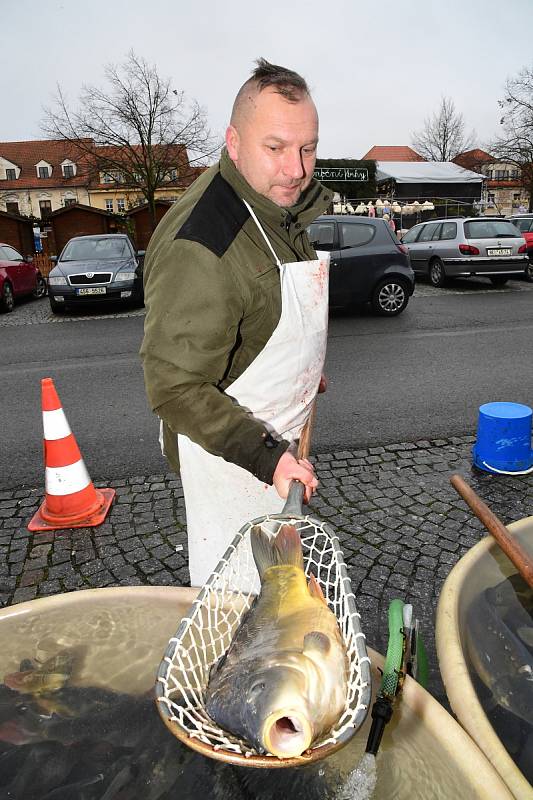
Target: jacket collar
x,y
311,204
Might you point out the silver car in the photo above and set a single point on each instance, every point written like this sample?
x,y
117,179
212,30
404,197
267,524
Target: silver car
x,y
458,248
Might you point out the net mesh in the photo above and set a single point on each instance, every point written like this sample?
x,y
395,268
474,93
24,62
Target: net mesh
x,y
206,633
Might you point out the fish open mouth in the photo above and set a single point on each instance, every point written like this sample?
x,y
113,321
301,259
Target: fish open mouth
x,y
287,735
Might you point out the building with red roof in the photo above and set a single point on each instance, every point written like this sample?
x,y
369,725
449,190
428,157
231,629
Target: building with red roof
x,y
392,153
505,193
41,176
36,177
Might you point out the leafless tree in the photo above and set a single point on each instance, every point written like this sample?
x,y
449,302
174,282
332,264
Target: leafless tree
x,y
443,136
515,143
138,131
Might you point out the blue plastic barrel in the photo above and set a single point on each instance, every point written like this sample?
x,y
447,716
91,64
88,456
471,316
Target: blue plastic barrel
x,y
503,442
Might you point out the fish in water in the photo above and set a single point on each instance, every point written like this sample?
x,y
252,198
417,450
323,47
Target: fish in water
x,y
497,632
283,681
44,680
42,677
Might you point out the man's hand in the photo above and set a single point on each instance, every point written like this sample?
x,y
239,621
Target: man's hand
x,y
323,385
289,469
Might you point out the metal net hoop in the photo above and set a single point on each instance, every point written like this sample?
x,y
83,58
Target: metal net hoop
x,y
205,634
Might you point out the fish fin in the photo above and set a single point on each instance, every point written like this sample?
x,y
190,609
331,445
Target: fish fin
x,y
288,546
284,549
263,552
315,590
317,641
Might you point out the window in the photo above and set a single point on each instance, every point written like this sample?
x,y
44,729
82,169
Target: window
x,y
68,170
11,175
411,235
43,172
428,231
10,254
490,229
109,205
89,249
121,204
69,201
356,234
12,208
45,207
322,235
523,225
448,231
172,174
514,173
107,178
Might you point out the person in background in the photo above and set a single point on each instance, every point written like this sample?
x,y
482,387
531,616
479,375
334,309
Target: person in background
x,y
390,222
236,317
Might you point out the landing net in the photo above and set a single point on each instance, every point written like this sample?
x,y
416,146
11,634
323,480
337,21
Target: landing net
x,y
206,633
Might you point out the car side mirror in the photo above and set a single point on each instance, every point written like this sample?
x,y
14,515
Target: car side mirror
x,y
28,259
53,259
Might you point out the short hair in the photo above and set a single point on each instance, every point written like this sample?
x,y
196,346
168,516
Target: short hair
x,y
286,82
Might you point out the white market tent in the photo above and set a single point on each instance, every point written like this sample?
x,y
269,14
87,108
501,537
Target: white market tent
x,y
425,172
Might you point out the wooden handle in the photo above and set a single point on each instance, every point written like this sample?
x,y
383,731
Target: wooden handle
x,y
304,445
512,549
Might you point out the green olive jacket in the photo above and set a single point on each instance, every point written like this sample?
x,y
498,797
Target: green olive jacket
x,y
213,299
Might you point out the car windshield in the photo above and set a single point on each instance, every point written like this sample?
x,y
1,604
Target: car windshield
x,y
96,249
490,229
523,224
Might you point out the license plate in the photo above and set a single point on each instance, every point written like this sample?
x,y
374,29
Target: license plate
x,y
499,251
92,290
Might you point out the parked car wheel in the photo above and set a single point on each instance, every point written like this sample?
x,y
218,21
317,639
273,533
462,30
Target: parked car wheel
x,y
7,301
528,273
499,280
389,297
40,289
57,308
437,274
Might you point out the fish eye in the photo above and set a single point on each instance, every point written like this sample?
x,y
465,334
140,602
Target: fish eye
x,y
257,687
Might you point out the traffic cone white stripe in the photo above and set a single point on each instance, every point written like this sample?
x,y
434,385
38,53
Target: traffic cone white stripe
x,y
66,480
55,425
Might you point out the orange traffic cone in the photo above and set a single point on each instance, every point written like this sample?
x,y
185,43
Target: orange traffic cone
x,y
71,500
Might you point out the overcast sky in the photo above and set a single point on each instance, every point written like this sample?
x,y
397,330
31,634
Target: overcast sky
x,y
376,69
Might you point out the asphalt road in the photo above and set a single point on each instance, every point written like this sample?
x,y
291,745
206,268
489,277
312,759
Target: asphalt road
x,y
420,376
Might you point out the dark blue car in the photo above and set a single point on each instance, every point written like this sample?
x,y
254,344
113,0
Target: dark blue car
x,y
368,263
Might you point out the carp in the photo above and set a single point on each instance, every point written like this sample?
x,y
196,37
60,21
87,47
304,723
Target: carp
x,y
283,681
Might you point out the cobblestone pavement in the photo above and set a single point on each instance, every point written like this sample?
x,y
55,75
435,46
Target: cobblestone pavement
x,y
401,526
36,312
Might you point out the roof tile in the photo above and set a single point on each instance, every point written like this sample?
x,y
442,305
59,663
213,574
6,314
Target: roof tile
x,y
392,153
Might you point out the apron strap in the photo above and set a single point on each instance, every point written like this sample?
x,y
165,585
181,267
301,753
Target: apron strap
x,y
265,237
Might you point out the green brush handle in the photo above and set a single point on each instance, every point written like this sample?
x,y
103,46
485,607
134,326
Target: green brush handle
x,y
394,659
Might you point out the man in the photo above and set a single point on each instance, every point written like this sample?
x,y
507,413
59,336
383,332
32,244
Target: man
x,y
236,321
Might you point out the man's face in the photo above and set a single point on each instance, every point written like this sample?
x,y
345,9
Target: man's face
x,y
274,145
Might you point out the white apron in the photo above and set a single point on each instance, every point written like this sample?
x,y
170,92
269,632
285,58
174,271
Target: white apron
x,y
279,388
